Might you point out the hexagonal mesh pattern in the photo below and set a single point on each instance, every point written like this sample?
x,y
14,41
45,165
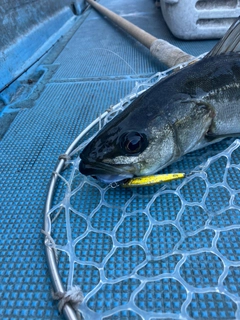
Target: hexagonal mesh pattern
x,y
159,252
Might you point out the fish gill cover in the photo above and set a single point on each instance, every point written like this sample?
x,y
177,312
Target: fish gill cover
x,y
166,251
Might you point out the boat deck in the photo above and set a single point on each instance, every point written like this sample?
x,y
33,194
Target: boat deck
x,y
91,67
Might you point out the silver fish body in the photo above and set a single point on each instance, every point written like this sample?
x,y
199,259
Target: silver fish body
x,y
188,110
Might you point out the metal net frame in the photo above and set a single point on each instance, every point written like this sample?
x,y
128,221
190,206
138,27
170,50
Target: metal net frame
x,y
161,252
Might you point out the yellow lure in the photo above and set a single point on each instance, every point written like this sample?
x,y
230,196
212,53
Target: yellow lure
x,y
152,180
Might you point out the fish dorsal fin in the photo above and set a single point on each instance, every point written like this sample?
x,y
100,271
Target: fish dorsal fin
x,y
230,41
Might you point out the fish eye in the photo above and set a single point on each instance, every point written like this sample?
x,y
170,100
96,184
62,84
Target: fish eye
x,y
133,143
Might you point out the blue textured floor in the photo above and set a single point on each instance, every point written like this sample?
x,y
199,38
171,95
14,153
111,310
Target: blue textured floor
x,y
96,68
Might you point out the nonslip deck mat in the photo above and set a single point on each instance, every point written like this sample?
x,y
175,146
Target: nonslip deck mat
x,y
28,156
72,99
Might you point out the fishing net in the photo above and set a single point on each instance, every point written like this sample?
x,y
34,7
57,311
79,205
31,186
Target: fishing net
x,y
161,252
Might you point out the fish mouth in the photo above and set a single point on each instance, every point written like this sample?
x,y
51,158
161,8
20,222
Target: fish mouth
x,y
106,172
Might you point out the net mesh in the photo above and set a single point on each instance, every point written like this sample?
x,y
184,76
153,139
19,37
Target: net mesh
x,y
161,252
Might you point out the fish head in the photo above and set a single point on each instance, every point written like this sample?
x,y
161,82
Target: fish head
x,y
128,147
177,115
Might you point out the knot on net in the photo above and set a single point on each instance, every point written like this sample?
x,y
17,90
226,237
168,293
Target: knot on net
x,y
73,296
64,157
